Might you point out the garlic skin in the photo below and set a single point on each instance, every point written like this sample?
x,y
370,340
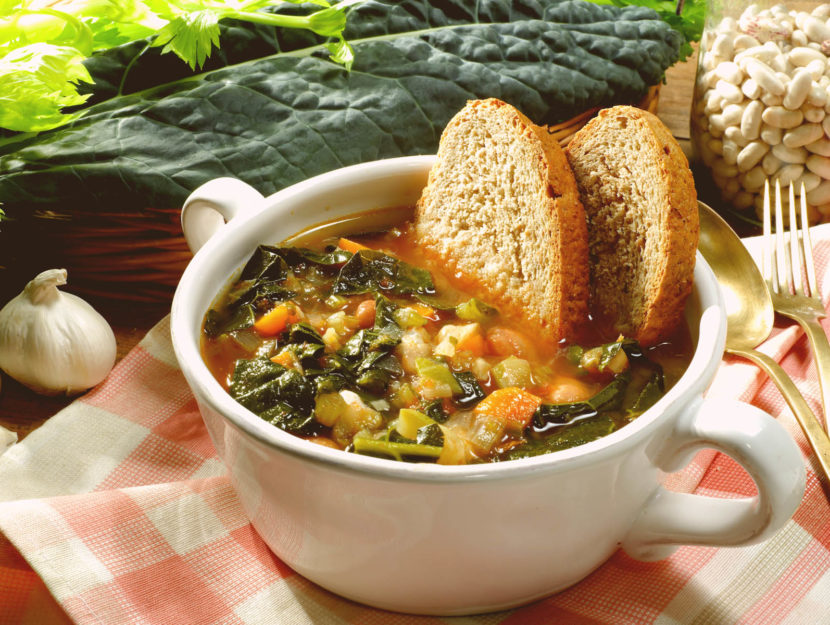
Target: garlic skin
x,y
54,342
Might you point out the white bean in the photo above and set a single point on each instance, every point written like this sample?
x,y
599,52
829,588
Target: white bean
x,y
790,155
734,134
771,164
797,89
816,29
821,194
743,41
802,135
772,100
788,173
753,180
821,11
817,68
799,38
817,96
809,180
711,60
723,45
728,25
723,168
813,114
820,147
803,55
771,135
733,185
751,155
715,145
751,89
781,66
751,120
764,76
780,117
730,151
732,114
743,200
819,165
729,92
713,102
825,123
730,72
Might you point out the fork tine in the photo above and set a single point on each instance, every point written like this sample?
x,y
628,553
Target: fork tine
x,y
807,247
796,254
768,249
781,268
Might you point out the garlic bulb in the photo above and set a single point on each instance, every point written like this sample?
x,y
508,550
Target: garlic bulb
x,y
52,341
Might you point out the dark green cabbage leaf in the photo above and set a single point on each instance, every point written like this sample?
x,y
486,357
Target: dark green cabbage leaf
x,y
158,132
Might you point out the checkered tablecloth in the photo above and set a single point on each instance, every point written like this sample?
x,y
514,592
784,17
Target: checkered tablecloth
x,y
117,510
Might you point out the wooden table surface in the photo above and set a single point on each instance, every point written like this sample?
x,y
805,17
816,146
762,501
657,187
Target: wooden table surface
x,y
22,411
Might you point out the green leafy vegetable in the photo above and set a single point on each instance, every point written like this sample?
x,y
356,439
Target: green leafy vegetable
x,y
686,16
42,46
271,109
370,271
280,396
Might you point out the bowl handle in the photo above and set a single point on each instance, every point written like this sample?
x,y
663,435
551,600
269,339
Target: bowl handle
x,y
759,444
213,204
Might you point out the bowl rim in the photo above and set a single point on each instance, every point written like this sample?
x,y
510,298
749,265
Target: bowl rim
x,y
711,336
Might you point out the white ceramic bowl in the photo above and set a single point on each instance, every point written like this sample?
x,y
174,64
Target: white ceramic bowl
x,y
464,539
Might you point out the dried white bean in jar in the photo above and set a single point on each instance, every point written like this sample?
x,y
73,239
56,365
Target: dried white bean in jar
x,y
802,135
751,155
818,165
822,147
779,117
763,103
790,155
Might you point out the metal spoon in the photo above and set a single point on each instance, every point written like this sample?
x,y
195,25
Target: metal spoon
x,y
750,317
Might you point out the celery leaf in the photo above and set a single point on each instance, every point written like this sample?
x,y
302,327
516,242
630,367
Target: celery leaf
x,y
36,82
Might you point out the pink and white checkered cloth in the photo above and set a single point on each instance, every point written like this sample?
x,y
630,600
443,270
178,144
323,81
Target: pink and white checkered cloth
x,y
117,510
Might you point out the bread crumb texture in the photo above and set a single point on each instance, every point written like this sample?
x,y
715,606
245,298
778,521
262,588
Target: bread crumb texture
x,y
641,204
501,211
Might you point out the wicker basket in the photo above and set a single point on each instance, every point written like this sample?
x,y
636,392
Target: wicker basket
x,y
140,257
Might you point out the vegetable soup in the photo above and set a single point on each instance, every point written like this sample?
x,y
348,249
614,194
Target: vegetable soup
x,y
352,344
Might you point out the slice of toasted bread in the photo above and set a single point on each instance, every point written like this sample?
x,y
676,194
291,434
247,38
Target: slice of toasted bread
x,y
639,194
501,211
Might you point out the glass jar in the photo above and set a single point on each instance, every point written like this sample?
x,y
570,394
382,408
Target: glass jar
x,y
761,105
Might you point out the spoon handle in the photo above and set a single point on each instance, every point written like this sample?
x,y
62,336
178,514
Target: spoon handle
x,y
810,425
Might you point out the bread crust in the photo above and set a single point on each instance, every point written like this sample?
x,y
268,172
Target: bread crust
x,y
501,211
673,215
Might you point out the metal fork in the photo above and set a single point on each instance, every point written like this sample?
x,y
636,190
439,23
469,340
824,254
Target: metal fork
x,y
790,274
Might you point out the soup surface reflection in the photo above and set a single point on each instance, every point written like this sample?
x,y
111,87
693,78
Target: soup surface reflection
x,y
352,344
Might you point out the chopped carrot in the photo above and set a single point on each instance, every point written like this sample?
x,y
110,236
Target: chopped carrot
x,y
350,246
513,405
286,359
275,320
423,310
473,343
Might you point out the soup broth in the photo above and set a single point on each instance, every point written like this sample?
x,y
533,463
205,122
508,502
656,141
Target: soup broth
x,y
351,343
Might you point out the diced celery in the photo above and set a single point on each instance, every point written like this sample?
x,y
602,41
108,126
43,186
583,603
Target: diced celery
x,y
409,421
403,396
513,371
438,371
396,450
408,318
336,302
486,432
474,310
328,407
